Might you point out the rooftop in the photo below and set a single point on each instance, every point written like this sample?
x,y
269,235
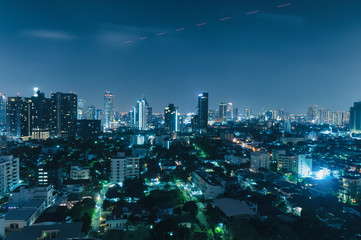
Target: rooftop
x,y
233,207
66,231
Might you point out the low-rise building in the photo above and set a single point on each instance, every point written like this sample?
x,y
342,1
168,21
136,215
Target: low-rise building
x,y
259,160
25,216
211,186
54,231
23,194
79,173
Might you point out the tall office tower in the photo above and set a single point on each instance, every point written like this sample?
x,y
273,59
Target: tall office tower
x,y
98,114
141,114
212,115
202,116
149,115
123,167
133,117
90,112
81,109
17,117
9,172
281,114
222,111
312,113
328,116
336,118
345,118
235,114
108,109
355,118
248,113
171,118
2,112
64,114
40,111
322,114
230,112
269,115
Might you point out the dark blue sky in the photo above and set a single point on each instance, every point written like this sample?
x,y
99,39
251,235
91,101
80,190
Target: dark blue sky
x,y
306,53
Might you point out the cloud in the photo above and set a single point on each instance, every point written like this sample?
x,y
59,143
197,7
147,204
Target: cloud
x,y
118,35
48,34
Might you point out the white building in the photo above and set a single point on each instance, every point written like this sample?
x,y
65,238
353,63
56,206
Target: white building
x,y
23,194
9,173
123,167
210,186
260,159
116,223
78,173
235,160
299,164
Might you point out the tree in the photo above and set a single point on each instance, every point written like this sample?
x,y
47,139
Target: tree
x,y
86,219
191,207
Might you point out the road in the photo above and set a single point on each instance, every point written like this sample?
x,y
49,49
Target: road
x,y
98,208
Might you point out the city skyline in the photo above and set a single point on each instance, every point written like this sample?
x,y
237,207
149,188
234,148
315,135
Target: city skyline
x,y
275,55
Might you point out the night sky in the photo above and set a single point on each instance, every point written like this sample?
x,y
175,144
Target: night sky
x,y
290,57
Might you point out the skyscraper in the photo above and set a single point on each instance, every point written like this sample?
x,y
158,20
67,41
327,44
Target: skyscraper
x,y
17,117
40,111
248,113
355,118
90,112
312,113
171,119
2,112
141,114
202,114
108,109
222,111
81,109
63,114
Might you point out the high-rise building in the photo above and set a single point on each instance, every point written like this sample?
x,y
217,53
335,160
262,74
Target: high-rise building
x,y
9,173
350,189
229,113
312,113
149,116
248,113
108,109
98,114
222,111
202,113
90,113
141,114
123,167
281,114
2,112
63,114
81,109
355,117
40,111
17,117
171,119
345,118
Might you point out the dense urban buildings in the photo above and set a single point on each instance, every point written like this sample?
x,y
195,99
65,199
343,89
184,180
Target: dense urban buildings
x,y
180,120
